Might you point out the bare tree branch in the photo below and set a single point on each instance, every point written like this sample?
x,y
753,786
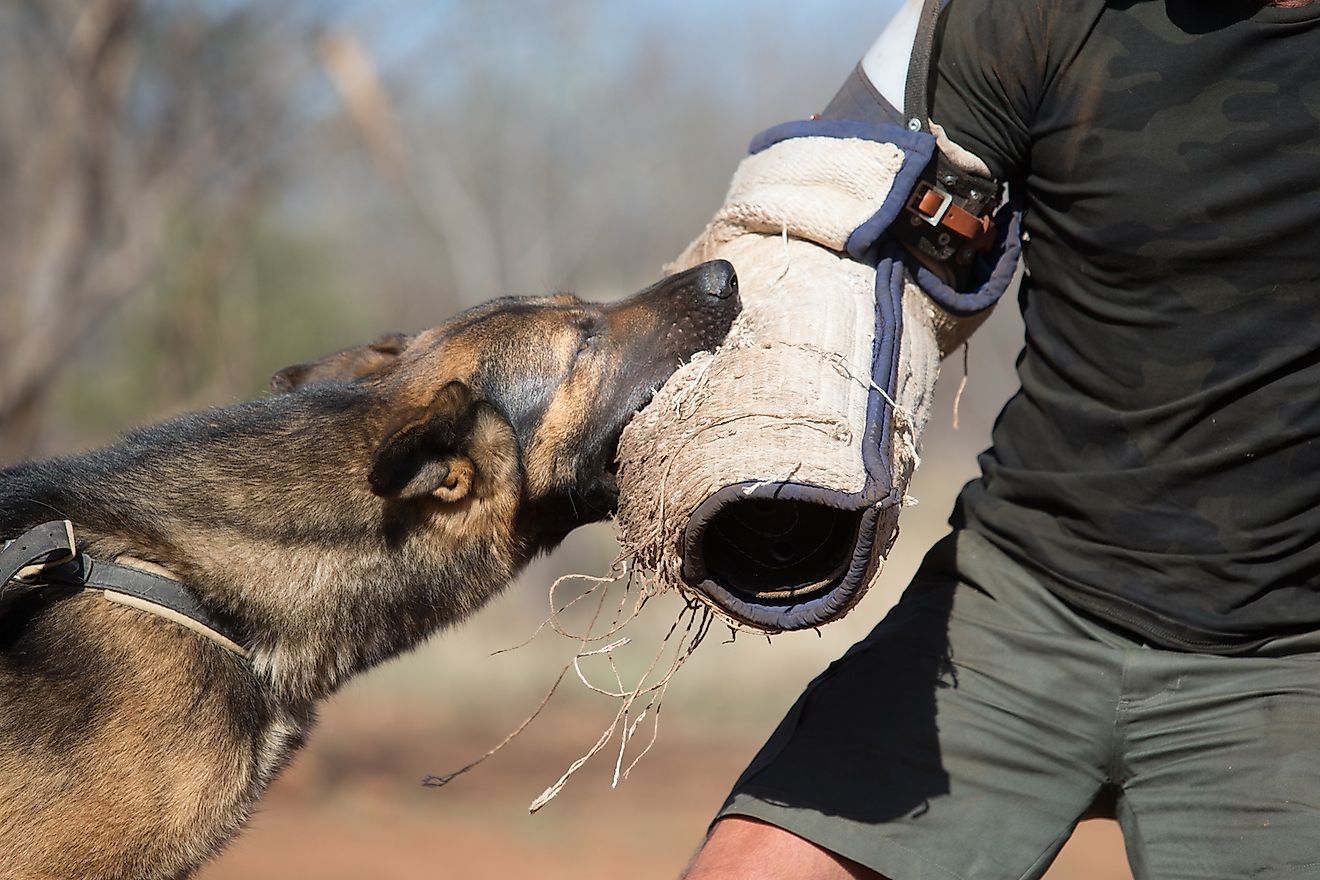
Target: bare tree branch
x,y
109,131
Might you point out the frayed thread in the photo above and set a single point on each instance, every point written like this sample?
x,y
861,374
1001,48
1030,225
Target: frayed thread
x,y
639,702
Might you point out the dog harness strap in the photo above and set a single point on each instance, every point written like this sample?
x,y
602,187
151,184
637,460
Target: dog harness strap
x,y
158,595
49,544
188,622
47,555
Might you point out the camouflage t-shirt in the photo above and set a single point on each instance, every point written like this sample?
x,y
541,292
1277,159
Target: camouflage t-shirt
x,y
1160,465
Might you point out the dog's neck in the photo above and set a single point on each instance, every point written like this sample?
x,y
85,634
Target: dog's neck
x,y
265,512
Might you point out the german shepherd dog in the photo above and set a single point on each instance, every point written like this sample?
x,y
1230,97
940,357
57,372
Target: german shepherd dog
x,y
390,493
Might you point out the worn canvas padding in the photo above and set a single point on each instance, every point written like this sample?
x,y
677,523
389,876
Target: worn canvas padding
x,y
766,478
815,188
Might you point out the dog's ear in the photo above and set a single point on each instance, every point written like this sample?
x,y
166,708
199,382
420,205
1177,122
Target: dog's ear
x,y
351,363
424,451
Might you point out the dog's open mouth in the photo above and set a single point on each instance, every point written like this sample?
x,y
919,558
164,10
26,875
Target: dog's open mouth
x,y
609,469
606,474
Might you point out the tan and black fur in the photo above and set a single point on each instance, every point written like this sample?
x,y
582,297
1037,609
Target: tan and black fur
x,y
391,492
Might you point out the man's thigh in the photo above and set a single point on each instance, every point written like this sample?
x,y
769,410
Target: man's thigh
x,y
1220,766
962,739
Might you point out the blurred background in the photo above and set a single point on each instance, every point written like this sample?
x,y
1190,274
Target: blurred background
x,y
194,194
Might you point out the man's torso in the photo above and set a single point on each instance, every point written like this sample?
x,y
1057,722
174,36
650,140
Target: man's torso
x,y
1157,465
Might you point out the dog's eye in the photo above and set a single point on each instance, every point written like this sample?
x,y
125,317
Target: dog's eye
x,y
588,333
589,328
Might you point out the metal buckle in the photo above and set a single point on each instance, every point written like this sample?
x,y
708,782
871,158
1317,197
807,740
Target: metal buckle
x,y
946,199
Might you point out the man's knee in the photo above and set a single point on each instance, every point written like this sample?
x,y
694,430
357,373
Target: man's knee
x,y
747,848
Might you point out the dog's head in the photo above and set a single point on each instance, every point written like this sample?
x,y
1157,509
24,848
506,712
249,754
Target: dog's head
x,y
536,390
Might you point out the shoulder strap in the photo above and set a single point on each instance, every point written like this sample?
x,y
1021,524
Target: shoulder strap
x,y
916,100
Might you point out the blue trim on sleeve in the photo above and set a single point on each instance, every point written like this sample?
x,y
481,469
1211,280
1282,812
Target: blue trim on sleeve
x,y
877,449
874,228
918,148
996,269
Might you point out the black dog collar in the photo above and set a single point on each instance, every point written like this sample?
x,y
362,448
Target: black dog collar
x,y
47,556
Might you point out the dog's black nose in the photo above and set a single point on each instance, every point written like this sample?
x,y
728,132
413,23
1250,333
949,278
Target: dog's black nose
x,y
716,279
697,306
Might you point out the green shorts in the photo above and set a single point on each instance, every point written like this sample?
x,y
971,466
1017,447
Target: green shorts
x,y
972,729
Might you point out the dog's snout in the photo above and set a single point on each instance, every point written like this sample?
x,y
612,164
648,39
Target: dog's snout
x,y
712,285
716,279
692,310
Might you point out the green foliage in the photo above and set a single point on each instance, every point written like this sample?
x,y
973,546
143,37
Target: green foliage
x,y
224,311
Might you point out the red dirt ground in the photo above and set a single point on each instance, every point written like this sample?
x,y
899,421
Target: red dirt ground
x,y
352,808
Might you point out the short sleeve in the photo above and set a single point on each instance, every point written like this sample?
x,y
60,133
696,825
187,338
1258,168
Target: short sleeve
x,y
993,62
